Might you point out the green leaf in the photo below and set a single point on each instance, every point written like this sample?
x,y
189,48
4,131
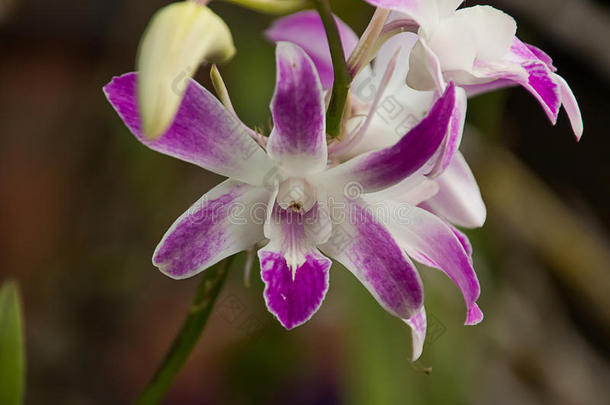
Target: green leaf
x,y
12,353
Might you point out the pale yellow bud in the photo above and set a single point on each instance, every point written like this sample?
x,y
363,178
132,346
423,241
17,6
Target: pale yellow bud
x,y
178,39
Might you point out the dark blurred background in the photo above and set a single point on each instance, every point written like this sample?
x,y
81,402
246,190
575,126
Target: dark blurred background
x,y
84,204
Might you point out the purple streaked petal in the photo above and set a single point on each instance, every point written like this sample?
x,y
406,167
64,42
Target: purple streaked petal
x,y
294,297
533,69
463,240
523,67
413,190
541,85
543,56
367,249
534,77
217,226
418,324
377,170
454,135
474,315
546,85
298,139
459,199
306,30
203,132
429,240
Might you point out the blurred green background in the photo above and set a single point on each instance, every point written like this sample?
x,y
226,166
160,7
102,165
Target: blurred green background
x,y
84,204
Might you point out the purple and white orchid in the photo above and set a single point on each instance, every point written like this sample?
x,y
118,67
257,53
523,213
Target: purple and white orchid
x,y
476,48
298,189
383,108
451,194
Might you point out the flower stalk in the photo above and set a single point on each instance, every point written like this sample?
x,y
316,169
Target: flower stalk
x,y
277,7
211,283
342,78
367,45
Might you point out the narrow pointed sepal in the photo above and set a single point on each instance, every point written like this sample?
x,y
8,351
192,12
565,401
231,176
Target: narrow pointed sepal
x,y
474,315
418,324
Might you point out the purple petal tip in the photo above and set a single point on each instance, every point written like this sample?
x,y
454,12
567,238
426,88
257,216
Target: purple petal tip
x,y
474,316
294,299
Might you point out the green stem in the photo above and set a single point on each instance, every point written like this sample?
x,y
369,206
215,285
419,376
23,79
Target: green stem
x,y
271,6
205,297
334,114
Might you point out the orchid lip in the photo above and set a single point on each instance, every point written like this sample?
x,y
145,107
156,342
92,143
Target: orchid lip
x,y
296,194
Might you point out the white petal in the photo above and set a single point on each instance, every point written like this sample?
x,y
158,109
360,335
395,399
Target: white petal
x,y
492,30
459,198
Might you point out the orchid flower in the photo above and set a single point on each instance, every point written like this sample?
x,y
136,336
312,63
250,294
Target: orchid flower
x,y
476,48
287,194
384,108
453,195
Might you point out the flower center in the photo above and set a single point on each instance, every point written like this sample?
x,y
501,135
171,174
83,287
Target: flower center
x,y
296,206
296,194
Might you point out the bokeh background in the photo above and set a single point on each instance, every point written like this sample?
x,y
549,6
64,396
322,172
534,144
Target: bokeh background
x,y
83,205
